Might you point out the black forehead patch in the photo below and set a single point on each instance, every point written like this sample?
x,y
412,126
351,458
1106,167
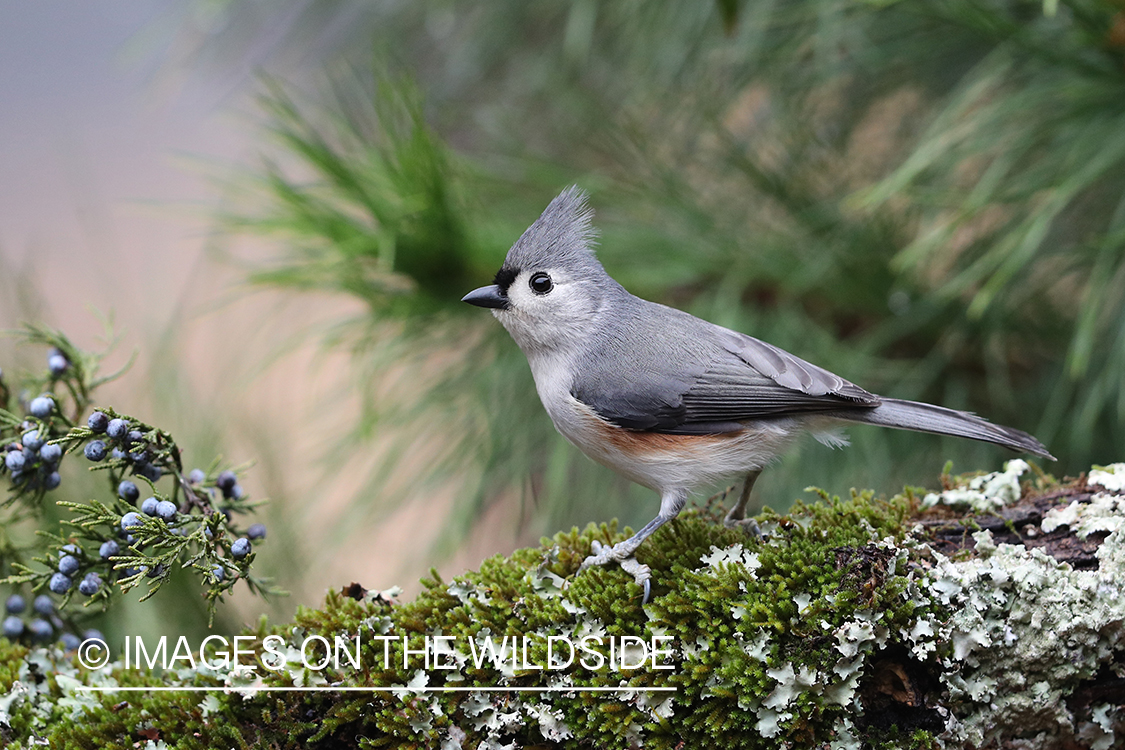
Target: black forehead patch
x,y
504,278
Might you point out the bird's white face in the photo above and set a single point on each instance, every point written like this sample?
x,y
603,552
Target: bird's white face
x,y
548,309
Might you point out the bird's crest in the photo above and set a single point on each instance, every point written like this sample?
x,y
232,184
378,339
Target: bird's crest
x,y
562,236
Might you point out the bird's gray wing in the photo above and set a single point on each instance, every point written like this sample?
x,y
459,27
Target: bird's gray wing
x,y
738,378
792,372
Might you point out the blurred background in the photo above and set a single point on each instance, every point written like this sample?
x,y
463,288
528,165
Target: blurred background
x,y
282,203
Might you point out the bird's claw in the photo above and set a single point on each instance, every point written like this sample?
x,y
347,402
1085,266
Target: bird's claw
x,y
746,524
603,555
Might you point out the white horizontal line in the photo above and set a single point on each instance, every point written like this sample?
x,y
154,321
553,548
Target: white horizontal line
x,y
322,689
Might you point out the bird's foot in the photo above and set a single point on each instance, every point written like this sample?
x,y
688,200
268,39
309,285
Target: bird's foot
x,y
746,524
621,553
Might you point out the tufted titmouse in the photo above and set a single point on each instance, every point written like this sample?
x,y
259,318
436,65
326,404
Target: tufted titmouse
x,y
671,401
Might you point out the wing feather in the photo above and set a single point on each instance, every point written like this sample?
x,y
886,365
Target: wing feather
x,y
793,372
745,379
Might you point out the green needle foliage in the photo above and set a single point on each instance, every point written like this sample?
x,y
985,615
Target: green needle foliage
x,y
1019,182
378,222
924,197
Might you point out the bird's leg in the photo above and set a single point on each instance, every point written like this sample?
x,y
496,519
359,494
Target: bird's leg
x,y
736,517
671,503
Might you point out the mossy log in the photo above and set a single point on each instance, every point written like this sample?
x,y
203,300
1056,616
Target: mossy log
x,y
989,614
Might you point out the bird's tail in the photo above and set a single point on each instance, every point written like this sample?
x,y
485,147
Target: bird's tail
x,y
913,415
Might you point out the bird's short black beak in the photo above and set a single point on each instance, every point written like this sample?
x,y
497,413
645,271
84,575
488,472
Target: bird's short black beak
x,y
487,296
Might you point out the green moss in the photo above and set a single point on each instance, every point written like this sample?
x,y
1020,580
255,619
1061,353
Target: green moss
x,y
773,642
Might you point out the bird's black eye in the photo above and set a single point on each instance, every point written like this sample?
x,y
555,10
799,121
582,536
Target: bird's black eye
x,y
541,283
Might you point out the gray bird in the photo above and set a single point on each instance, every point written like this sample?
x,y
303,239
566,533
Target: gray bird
x,y
668,400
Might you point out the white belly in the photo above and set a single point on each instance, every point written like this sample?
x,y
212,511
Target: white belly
x,y
666,462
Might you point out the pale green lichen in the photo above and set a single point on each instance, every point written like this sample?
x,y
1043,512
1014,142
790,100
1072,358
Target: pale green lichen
x,y
988,492
1111,477
1026,629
